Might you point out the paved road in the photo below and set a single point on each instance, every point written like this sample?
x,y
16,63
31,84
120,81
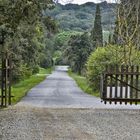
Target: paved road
x,y
60,91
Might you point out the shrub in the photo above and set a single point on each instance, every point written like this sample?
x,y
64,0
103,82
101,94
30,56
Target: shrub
x,y
35,69
20,73
110,55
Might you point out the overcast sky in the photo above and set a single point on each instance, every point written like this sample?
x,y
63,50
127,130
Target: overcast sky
x,y
84,1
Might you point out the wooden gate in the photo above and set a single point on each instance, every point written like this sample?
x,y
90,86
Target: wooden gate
x,y
121,84
5,82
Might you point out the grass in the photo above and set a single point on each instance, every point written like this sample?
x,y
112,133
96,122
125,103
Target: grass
x,y
45,71
20,89
83,83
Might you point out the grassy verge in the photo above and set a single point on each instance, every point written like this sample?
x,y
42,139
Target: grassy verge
x,y
20,89
83,83
45,71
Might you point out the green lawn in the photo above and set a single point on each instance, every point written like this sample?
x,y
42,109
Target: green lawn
x,y
83,83
20,89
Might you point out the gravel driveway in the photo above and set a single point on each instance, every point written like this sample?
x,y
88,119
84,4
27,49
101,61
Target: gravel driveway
x,y
69,124
57,109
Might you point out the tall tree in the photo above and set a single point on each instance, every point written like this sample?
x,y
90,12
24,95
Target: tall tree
x,y
127,30
77,52
97,33
21,34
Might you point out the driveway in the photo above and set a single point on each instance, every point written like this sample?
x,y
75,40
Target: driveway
x,y
59,90
57,109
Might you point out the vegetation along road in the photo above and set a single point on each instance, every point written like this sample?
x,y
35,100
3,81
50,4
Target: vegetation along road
x,y
57,109
59,90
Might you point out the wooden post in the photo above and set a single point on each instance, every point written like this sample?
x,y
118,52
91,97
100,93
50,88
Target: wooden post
x,y
121,84
126,86
105,84
10,78
5,81
116,82
2,83
131,82
137,82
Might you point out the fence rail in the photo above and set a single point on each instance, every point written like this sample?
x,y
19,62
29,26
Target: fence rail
x,y
121,84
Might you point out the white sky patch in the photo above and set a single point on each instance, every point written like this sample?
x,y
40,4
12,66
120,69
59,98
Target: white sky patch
x,y
84,1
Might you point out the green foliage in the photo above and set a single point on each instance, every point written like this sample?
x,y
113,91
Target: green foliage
x,y
21,72
82,82
77,52
96,33
60,41
35,69
46,54
127,33
110,55
20,90
45,71
50,25
80,17
56,57
63,37
23,34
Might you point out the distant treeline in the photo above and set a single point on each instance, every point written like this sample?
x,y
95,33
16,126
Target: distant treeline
x,y
81,17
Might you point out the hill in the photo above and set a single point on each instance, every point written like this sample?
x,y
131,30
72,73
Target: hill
x,y
81,17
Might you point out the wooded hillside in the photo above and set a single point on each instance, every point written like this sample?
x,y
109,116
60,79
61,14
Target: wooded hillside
x,y
81,17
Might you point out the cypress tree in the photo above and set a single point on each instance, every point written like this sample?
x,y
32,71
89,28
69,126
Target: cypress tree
x,y
96,33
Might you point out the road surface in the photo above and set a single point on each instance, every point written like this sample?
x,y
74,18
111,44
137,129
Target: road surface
x,y
60,91
57,109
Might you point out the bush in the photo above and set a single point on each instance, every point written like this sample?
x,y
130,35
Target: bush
x,y
35,69
110,55
20,73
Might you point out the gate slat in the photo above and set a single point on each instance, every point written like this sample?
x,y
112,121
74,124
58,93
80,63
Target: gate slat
x,y
137,82
2,84
121,86
111,80
10,79
116,81
131,82
126,86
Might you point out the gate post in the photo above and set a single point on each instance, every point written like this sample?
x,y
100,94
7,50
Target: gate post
x,y
5,81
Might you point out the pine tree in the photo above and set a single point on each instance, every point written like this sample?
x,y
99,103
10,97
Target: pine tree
x,y
96,33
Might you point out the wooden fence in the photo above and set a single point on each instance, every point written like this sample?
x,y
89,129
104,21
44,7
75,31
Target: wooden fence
x,y
121,84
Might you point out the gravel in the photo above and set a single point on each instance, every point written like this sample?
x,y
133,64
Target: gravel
x,y
69,124
57,109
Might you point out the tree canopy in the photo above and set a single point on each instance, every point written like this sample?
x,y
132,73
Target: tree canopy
x,y
23,33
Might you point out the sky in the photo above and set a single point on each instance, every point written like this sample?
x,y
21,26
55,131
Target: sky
x,y
84,1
